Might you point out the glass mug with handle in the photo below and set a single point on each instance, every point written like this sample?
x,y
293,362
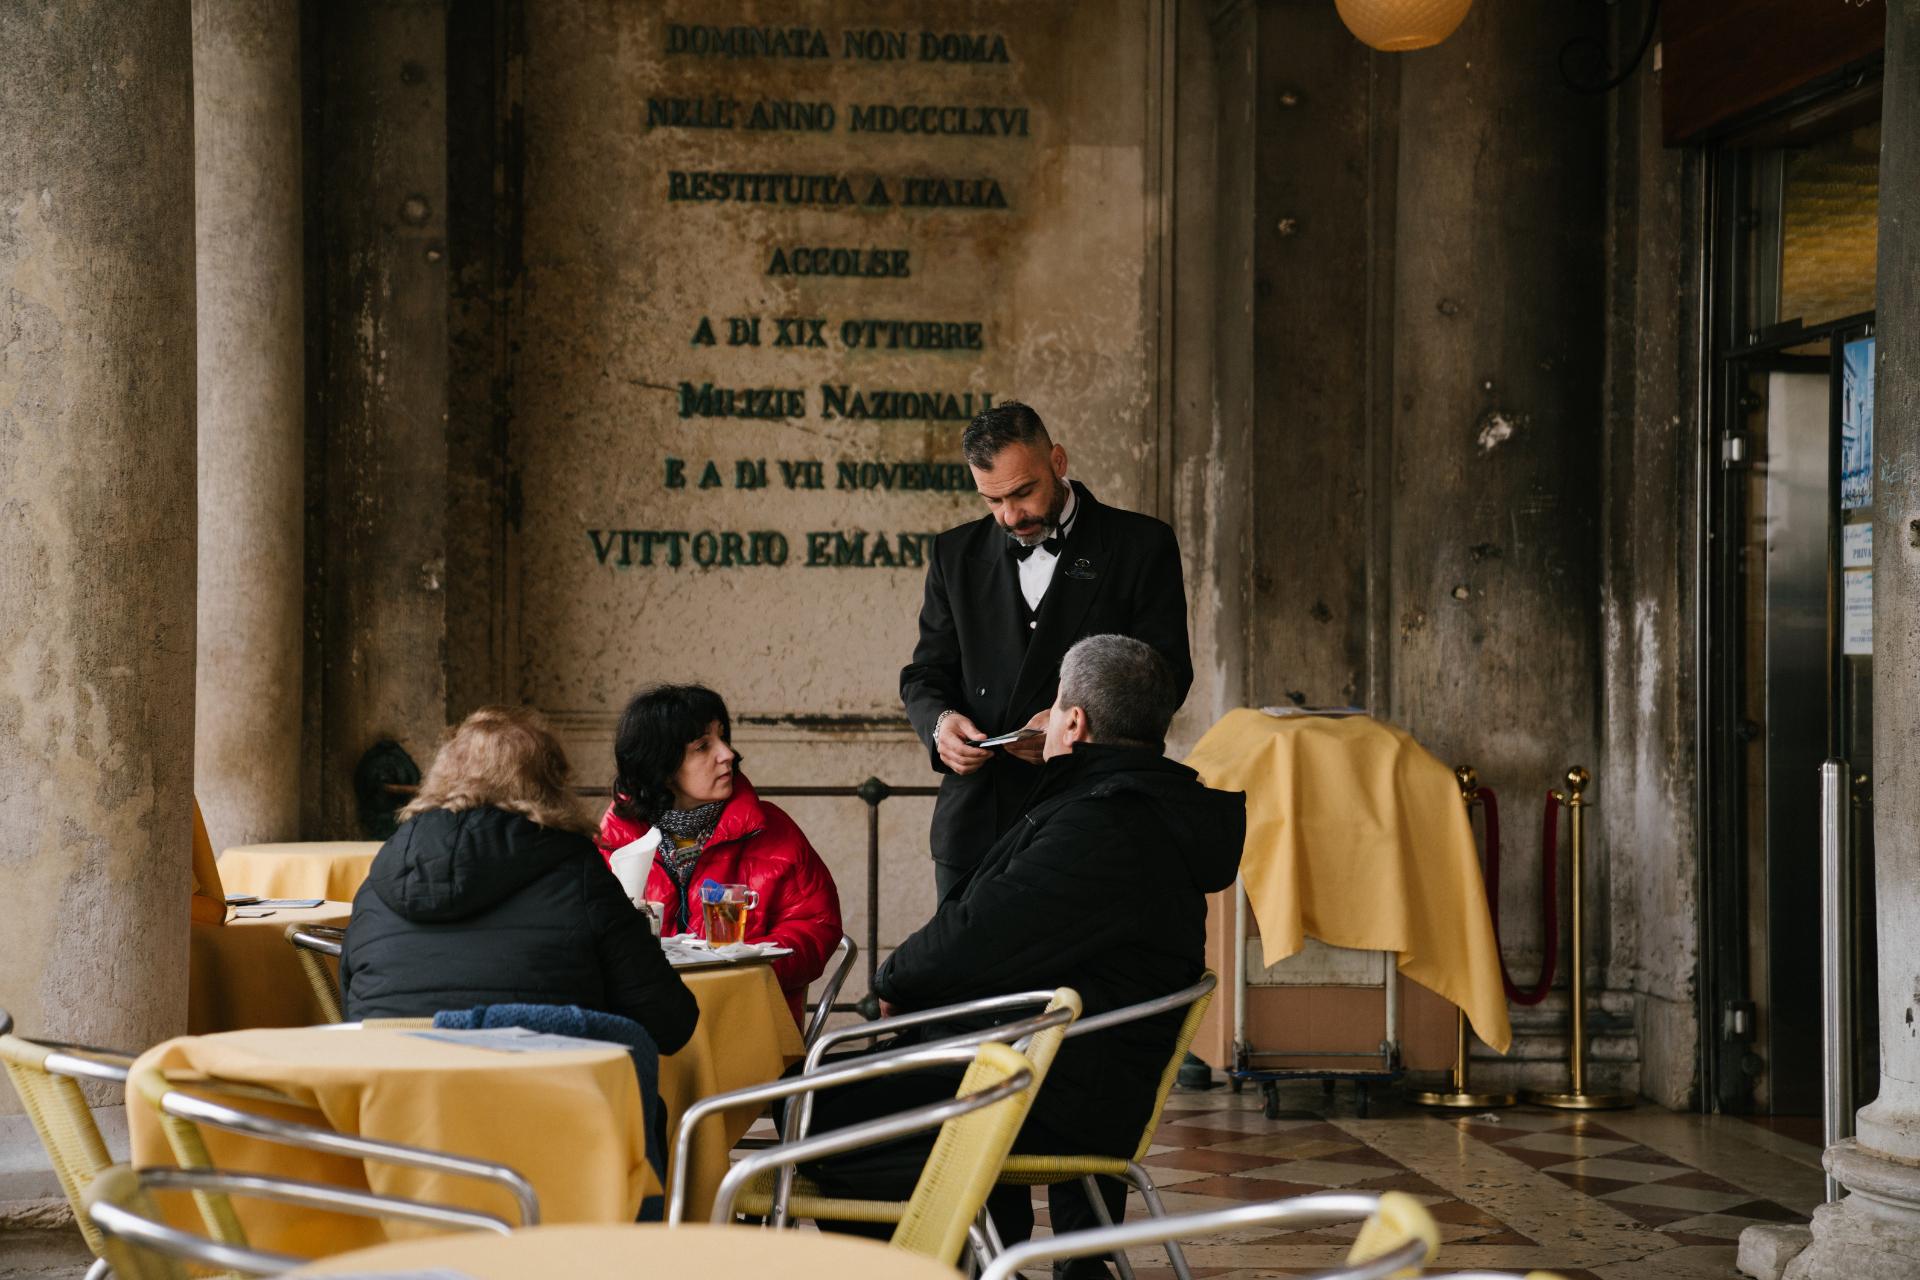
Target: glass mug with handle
x,y
725,908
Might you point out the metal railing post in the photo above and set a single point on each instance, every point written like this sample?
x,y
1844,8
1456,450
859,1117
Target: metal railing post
x,y
1836,981
1577,1097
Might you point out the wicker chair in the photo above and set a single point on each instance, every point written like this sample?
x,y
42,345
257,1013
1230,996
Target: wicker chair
x,y
313,944
46,1075
1035,1171
1398,1238
141,1246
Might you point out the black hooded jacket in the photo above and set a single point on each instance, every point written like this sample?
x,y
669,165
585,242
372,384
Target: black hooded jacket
x,y
1101,886
483,906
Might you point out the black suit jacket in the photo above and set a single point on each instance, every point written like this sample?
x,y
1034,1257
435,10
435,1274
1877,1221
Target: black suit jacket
x,y
1119,573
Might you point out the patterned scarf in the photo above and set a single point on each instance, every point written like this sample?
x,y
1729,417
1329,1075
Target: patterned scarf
x,y
696,824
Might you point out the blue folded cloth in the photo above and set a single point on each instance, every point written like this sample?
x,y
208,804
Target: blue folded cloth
x,y
587,1024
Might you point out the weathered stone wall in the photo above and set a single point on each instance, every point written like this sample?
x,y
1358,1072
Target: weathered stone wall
x,y
726,473
378,456
97,539
1417,338
1650,472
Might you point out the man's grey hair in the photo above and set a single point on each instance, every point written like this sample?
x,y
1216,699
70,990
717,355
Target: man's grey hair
x,y
1125,688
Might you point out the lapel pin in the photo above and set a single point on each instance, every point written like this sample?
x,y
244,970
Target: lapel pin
x,y
1081,568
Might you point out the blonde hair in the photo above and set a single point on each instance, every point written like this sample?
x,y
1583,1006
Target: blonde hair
x,y
503,758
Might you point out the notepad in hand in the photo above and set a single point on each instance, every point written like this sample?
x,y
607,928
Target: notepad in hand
x,y
1018,735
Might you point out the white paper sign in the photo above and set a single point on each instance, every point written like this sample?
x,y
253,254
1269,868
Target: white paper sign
x,y
1856,612
1856,546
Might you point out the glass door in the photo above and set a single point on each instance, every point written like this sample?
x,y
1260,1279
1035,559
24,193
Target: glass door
x,y
1788,606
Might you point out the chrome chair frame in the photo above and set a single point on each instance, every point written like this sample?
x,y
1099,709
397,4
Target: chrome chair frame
x,y
1300,1211
845,954
1137,1175
870,1067
800,1118
88,1062
319,939
143,1232
867,1133
205,1111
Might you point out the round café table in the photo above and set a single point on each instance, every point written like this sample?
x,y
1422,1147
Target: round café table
x,y
569,1120
243,972
621,1253
329,869
389,1084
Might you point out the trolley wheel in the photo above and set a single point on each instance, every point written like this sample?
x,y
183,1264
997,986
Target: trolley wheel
x,y
1270,1100
1235,1083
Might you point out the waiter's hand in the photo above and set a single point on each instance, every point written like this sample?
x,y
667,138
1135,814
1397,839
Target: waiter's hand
x,y
955,745
1031,749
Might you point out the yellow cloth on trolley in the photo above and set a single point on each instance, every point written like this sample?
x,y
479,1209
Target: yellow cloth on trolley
x,y
1357,836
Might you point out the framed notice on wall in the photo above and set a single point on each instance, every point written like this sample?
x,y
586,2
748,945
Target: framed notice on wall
x,y
1856,425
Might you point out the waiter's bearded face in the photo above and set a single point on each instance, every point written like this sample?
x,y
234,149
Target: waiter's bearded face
x,y
1025,489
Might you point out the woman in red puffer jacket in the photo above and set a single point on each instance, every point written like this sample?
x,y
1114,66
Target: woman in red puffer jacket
x,y
677,772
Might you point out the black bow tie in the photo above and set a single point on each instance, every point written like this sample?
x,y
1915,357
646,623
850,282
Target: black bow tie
x,y
1021,551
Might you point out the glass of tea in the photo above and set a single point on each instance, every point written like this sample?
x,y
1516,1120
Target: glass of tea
x,y
726,912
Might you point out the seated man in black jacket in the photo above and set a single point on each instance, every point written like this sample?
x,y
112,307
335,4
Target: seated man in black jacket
x,y
1101,887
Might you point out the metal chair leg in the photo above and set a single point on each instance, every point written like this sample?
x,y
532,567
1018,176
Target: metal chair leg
x,y
1092,1184
994,1245
1150,1194
978,1259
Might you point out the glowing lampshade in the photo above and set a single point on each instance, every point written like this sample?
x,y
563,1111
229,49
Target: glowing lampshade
x,y
1396,26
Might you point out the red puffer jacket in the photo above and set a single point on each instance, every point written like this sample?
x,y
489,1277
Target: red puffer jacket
x,y
758,845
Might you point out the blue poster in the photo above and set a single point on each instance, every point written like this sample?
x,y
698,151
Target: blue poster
x,y
1856,425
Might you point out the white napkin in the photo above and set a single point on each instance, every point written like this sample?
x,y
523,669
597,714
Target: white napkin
x,y
630,863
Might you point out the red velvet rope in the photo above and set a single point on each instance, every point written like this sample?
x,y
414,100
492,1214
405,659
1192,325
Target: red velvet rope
x,y
1549,895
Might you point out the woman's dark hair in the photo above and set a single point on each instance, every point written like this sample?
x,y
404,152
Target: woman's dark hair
x,y
652,741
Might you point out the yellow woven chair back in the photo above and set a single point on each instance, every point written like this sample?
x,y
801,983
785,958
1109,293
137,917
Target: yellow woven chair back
x,y
120,1186
189,1148
319,977
966,1158
965,1161
1189,1028
66,1127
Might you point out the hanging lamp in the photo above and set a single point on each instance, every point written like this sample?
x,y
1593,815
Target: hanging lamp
x,y
1398,26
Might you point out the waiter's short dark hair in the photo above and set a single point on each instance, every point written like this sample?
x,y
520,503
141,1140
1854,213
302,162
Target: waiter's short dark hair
x,y
1009,422
1125,687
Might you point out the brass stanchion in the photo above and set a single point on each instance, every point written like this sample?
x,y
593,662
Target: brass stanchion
x,y
1459,1096
1578,1097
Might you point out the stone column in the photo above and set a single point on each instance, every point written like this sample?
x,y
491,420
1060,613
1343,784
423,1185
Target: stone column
x,y
96,517
1874,1232
246,116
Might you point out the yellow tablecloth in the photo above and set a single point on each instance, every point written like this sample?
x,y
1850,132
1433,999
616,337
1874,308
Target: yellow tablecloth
x,y
575,1134
694,1252
746,1036
1356,835
244,973
331,869
570,1121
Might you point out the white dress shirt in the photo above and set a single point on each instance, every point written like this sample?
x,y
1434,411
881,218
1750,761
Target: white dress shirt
x,y
1036,571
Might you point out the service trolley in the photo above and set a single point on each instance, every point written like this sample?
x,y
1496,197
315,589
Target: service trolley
x,y
1245,1070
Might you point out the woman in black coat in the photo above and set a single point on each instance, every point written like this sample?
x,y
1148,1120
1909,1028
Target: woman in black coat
x,y
492,892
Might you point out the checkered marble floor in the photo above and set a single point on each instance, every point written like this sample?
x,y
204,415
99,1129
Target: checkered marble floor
x,y
1604,1196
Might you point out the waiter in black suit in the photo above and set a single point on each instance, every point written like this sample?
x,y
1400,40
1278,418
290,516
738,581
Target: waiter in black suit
x,y
1007,596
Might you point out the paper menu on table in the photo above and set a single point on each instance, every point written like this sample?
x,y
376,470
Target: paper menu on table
x,y
512,1040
